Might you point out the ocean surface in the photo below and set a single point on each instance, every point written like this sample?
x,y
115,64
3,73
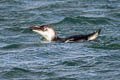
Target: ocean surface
x,y
23,56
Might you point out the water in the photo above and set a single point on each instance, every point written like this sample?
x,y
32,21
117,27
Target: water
x,y
24,57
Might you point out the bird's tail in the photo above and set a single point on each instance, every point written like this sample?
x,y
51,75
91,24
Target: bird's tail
x,y
94,35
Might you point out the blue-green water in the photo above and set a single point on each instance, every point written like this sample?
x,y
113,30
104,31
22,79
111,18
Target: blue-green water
x,y
24,57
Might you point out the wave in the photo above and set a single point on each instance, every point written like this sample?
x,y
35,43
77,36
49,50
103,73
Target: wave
x,y
90,20
19,46
15,30
107,47
12,46
15,72
21,73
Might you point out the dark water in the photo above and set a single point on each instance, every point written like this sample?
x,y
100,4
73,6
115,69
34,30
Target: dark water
x,y
24,57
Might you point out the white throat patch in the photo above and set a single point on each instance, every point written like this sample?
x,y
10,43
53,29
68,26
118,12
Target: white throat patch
x,y
49,35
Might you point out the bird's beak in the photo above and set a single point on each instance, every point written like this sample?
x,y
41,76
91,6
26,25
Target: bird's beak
x,y
34,28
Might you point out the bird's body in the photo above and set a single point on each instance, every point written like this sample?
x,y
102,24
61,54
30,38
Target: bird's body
x,y
49,33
